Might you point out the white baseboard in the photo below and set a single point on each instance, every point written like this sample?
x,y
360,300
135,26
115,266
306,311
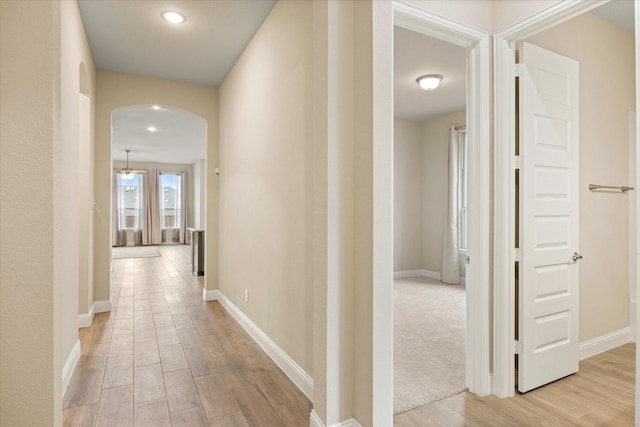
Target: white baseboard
x,y
604,343
315,421
211,295
102,306
86,319
70,366
299,377
416,273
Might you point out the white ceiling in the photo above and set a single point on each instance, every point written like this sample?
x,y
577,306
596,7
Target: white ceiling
x,y
618,12
131,36
180,137
415,55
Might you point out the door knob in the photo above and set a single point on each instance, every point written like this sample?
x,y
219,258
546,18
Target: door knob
x,y
576,256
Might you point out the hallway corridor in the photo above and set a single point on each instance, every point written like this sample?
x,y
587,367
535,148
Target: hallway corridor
x,y
164,357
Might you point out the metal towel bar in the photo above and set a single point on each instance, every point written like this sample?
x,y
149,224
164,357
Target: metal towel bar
x,y
622,188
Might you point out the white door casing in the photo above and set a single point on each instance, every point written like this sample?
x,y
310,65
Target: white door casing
x,y
548,282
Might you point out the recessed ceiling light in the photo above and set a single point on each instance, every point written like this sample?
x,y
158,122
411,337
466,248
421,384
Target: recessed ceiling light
x,y
151,129
156,107
429,81
173,17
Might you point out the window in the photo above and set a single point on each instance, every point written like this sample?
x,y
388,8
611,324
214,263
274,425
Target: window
x,y
462,191
130,201
170,200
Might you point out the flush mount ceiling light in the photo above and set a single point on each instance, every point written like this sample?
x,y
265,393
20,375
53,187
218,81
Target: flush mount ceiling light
x,y
173,17
151,129
156,107
429,81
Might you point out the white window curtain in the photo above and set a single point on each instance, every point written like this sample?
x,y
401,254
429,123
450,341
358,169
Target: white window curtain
x,y
450,243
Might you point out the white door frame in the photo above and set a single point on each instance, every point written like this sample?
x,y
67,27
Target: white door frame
x,y
504,178
476,42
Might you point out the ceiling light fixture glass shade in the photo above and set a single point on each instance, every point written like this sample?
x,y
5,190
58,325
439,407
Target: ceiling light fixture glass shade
x,y
429,81
126,171
151,129
173,17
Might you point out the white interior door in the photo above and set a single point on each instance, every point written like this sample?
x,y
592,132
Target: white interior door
x,y
548,281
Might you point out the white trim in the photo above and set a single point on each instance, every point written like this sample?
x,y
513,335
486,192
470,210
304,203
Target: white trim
x,y
632,318
282,359
86,319
315,421
101,306
416,273
504,180
633,229
604,343
211,295
476,42
70,366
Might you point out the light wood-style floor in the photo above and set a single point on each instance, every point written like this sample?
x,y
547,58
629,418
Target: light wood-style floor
x,y
164,357
602,393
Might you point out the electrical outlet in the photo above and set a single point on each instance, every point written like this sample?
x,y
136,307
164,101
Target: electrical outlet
x,y
246,295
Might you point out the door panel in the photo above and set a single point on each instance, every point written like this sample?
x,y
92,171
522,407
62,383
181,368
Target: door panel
x,y
548,294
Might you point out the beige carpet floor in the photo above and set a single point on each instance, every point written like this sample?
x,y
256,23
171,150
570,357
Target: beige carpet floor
x,y
428,339
135,252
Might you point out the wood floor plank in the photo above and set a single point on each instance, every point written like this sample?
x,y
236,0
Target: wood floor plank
x,y
121,345
190,338
200,361
598,395
276,387
119,372
144,332
81,416
172,358
182,321
218,345
181,391
116,407
295,413
145,353
256,408
148,383
153,413
229,420
84,388
474,413
233,371
251,354
435,414
215,396
194,417
167,335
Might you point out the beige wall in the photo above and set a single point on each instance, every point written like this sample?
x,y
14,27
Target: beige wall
x,y
421,165
77,76
169,167
265,181
407,195
41,47
116,90
199,193
607,82
435,133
